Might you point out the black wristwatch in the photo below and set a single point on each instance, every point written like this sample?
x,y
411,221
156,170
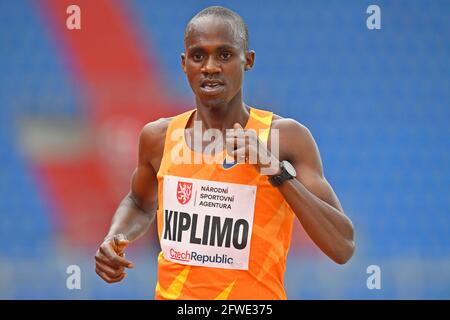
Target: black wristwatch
x,y
287,172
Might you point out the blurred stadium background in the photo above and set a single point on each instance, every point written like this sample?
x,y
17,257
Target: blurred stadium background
x,y
72,104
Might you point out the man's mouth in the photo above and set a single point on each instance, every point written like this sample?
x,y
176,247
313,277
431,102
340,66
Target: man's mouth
x,y
211,87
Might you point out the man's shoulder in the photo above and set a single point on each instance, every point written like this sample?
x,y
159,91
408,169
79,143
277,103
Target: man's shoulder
x,y
289,126
154,133
157,127
295,140
152,139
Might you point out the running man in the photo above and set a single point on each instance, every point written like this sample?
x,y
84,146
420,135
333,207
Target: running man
x,y
224,222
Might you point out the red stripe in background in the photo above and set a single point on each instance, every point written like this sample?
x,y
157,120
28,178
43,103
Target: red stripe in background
x,y
121,93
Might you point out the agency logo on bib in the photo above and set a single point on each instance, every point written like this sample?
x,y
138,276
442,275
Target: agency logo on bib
x,y
184,192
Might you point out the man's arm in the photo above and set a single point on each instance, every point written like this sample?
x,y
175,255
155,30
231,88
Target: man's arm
x,y
136,211
310,195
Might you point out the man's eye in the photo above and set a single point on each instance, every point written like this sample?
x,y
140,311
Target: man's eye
x,y
197,57
225,55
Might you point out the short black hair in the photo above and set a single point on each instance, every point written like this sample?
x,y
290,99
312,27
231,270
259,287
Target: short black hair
x,y
222,12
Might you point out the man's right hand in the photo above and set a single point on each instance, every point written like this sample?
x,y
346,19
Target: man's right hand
x,y
110,262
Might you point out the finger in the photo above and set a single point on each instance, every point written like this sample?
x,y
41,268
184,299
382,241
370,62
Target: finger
x,y
230,146
237,125
237,142
101,258
235,132
120,245
114,258
240,155
110,272
109,279
119,242
234,143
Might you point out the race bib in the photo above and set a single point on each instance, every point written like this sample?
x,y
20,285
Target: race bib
x,y
207,223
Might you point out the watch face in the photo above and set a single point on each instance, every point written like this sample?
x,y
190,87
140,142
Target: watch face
x,y
290,168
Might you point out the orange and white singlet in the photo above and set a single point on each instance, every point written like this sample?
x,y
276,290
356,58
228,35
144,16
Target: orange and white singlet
x,y
224,230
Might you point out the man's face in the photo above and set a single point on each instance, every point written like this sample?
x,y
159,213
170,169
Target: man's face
x,y
215,61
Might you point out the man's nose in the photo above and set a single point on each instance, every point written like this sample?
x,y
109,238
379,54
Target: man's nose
x,y
211,66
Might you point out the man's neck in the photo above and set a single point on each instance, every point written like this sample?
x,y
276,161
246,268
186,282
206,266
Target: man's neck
x,y
222,118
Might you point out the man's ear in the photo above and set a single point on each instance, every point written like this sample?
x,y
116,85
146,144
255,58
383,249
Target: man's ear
x,y
249,60
183,62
